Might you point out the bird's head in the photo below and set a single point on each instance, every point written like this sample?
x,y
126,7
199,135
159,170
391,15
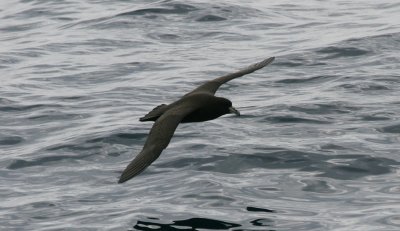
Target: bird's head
x,y
226,105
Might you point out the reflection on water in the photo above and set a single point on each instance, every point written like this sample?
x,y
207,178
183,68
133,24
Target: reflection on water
x,y
188,224
152,223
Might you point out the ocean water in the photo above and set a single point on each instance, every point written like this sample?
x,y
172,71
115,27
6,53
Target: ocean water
x,y
317,146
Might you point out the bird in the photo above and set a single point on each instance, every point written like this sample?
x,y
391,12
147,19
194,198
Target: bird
x,y
199,105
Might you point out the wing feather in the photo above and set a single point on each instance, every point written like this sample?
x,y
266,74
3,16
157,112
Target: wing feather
x,y
158,139
213,85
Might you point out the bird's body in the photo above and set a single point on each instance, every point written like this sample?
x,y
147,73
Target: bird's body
x,y
202,113
196,106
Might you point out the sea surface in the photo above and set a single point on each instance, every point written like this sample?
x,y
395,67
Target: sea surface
x,y
317,146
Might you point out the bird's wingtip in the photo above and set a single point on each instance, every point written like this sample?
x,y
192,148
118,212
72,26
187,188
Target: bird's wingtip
x,y
124,177
261,64
270,59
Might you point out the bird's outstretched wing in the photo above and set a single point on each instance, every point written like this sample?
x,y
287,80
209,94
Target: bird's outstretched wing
x,y
158,139
213,85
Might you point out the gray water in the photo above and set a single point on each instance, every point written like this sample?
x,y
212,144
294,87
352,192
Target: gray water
x,y
316,148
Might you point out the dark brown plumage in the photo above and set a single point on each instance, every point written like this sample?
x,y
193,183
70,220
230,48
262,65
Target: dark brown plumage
x,y
196,106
